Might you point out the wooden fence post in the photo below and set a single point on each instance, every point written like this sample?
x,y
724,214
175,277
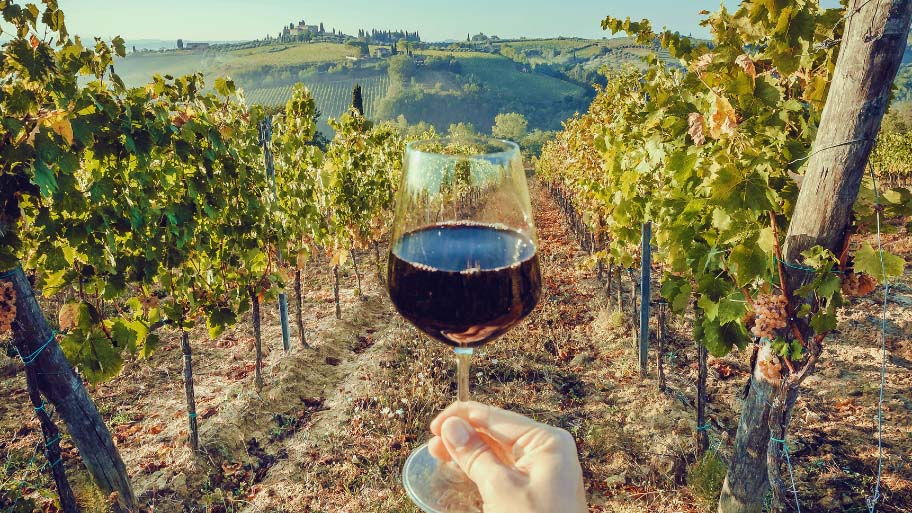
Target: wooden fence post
x,y
265,140
645,277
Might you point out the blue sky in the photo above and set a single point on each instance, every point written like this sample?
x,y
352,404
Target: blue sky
x,y
435,20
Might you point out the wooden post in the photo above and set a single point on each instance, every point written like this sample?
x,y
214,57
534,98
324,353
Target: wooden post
x,y
660,336
873,44
257,336
646,294
634,307
702,425
336,291
59,383
51,437
300,317
265,140
377,263
620,290
193,435
357,272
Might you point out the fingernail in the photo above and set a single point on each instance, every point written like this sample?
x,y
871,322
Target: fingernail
x,y
456,431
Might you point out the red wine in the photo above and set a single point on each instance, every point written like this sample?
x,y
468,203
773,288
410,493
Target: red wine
x,y
464,284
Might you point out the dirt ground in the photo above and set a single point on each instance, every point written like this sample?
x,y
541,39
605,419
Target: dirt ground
x,y
333,425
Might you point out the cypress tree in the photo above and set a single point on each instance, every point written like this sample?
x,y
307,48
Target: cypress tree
x,y
357,99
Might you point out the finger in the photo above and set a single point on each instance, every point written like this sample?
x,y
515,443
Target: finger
x,y
471,453
503,426
438,450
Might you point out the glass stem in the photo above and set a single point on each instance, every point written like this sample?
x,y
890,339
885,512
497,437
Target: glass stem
x,y
463,361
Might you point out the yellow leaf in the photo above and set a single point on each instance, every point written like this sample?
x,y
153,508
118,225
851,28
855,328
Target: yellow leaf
x,y
339,257
60,124
723,119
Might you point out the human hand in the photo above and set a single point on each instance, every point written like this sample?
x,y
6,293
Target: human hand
x,y
546,476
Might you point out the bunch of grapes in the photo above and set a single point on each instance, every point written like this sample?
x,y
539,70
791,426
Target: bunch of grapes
x,y
858,284
7,306
770,315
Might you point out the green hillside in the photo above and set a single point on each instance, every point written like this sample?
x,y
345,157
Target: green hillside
x,y
333,97
545,80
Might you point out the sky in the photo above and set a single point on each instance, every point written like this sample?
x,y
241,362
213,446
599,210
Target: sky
x,y
221,20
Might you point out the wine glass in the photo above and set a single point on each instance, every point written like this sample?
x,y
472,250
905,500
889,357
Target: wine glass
x,y
463,269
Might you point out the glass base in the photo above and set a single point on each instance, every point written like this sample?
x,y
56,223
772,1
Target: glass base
x,y
437,487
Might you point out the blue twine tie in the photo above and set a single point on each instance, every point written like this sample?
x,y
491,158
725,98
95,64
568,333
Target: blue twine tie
x,y
802,267
7,274
705,427
52,440
30,359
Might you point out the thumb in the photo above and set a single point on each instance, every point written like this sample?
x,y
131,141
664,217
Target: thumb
x,y
471,453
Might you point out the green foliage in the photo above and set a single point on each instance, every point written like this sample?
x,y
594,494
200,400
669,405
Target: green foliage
x,y
358,48
461,130
706,153
332,97
705,478
511,126
115,193
401,69
533,143
868,260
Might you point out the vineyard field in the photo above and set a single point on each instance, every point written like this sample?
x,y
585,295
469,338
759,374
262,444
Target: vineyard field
x,y
333,98
201,296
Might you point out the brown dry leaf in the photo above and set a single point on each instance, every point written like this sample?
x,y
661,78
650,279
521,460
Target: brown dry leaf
x,y
34,41
747,65
724,119
67,316
703,62
695,128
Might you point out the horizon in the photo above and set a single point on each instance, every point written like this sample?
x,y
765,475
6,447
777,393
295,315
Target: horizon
x,y
508,19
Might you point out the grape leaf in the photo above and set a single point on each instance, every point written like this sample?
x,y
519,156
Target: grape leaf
x,y
867,260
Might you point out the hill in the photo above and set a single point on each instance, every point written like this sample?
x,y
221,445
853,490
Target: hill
x,y
547,80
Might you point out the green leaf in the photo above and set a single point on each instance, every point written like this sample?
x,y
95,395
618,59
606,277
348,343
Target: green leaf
x,y
719,339
746,263
823,321
797,351
766,90
766,241
120,48
224,86
709,307
676,291
829,285
93,354
44,178
123,335
220,319
867,260
150,344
